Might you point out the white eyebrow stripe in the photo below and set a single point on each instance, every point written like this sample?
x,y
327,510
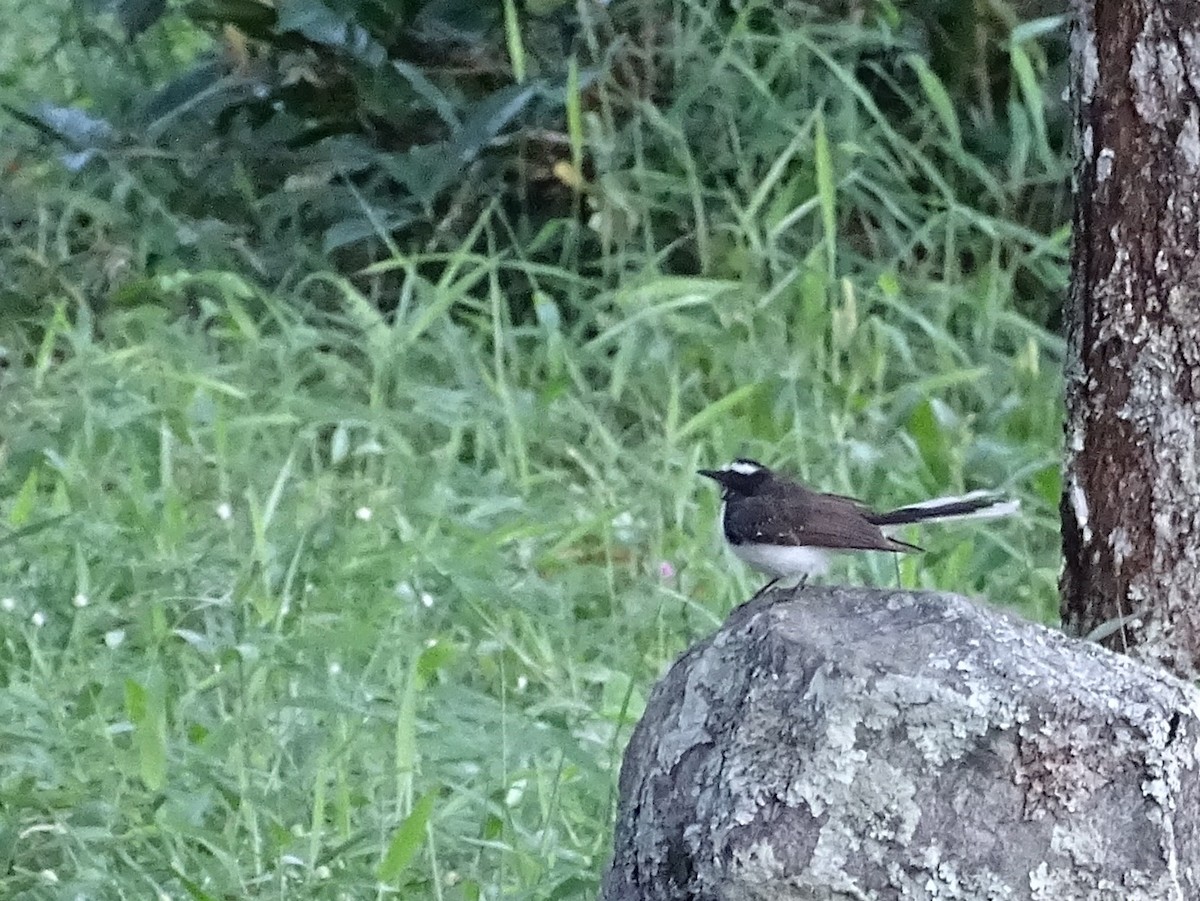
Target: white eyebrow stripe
x,y
745,469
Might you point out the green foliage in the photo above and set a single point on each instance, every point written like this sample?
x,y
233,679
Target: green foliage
x,y
366,123
734,147
342,597
326,582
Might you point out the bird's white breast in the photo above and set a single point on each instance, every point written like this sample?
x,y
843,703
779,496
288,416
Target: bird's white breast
x,y
783,561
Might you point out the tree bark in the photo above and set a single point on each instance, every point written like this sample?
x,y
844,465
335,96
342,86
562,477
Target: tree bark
x,y
858,744
1131,492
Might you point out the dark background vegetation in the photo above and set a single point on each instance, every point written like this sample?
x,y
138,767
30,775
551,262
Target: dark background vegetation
x,y
357,359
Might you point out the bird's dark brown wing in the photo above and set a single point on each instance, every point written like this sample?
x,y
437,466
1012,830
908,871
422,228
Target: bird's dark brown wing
x,y
808,520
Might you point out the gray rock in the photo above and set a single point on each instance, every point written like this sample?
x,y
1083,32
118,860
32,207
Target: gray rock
x,y
839,743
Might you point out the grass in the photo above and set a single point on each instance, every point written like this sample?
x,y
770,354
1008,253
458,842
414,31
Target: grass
x,y
302,600
335,566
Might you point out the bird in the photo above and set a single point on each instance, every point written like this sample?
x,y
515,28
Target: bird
x,y
786,530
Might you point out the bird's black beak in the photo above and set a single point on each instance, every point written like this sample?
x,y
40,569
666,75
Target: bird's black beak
x,y
716,475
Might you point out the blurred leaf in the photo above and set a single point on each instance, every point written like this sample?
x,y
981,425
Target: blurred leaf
x,y
195,891
467,21
405,737
574,108
136,16
516,47
9,836
1048,485
827,194
255,18
716,410
938,97
146,708
931,441
407,839
425,170
182,94
433,658
66,123
359,228
428,91
621,700
1031,92
30,530
572,887
339,444
491,116
26,499
321,25
1037,28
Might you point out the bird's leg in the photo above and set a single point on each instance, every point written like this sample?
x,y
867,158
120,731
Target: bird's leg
x,y
762,591
800,583
899,581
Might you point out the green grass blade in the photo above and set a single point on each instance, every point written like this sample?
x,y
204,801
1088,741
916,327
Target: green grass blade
x,y
827,194
937,96
147,711
406,841
512,36
715,411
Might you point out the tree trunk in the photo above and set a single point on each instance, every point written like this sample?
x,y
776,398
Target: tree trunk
x,y
834,744
1131,492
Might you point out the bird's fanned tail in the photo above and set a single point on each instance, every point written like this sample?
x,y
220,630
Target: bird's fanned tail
x,y
976,505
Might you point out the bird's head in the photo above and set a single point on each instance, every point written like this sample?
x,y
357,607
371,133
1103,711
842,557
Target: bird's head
x,y
741,477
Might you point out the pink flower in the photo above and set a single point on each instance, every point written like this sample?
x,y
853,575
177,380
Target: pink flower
x,y
666,570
